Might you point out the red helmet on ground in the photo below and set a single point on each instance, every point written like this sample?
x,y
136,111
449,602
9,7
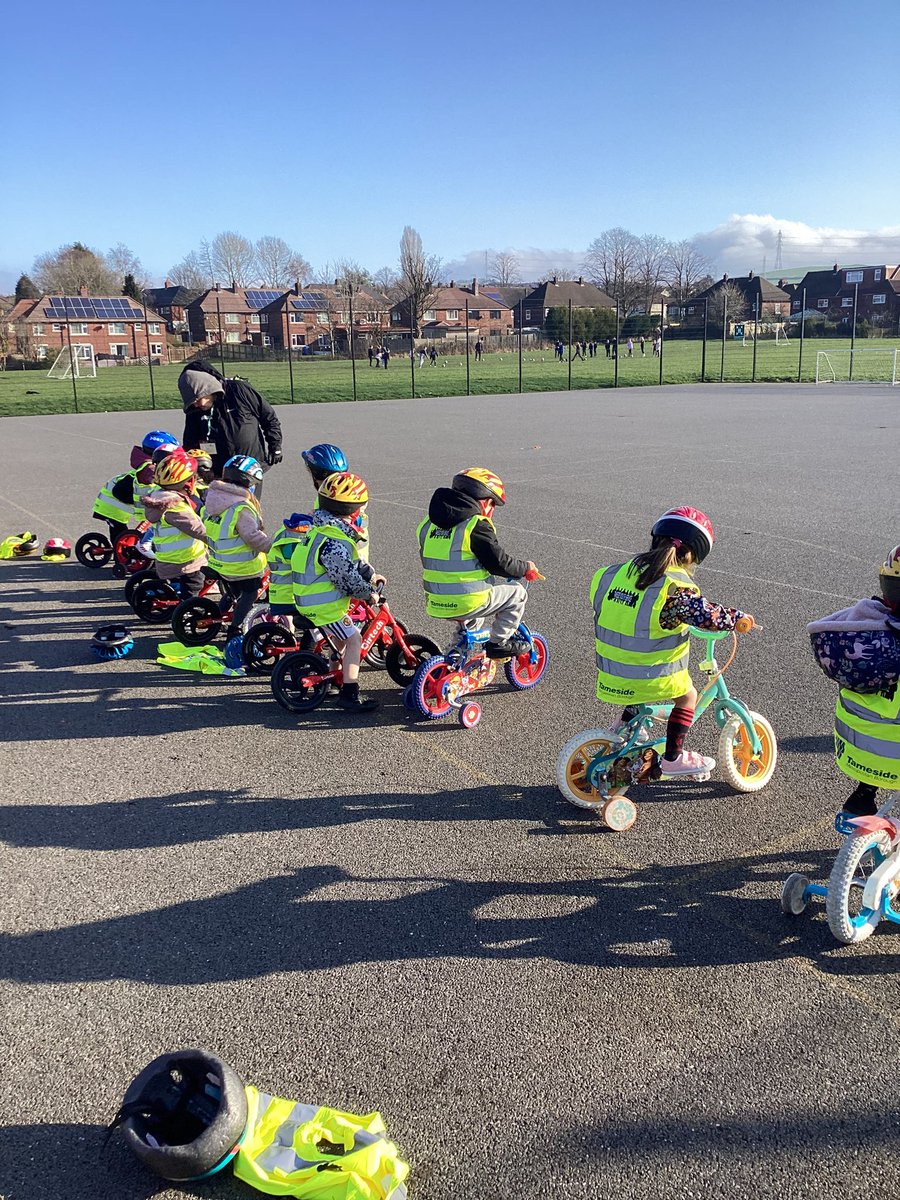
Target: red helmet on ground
x,y
689,526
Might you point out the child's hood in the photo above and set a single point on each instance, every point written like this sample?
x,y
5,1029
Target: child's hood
x,y
221,495
863,615
157,501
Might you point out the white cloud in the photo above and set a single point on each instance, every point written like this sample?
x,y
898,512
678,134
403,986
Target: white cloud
x,y
534,263
748,240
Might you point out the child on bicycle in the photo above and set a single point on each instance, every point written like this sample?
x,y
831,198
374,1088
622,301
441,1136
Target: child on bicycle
x,y
204,473
327,571
237,541
859,647
322,460
177,532
120,499
642,610
281,579
460,555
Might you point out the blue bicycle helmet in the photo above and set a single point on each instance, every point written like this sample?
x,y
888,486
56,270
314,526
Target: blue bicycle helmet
x,y
242,470
112,641
325,457
158,437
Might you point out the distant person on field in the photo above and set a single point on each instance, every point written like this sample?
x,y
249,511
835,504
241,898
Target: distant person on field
x,y
479,350
421,356
432,356
371,355
385,356
641,344
630,345
607,345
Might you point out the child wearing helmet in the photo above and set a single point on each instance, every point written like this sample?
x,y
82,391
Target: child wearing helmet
x,y
460,555
642,610
237,541
859,647
327,571
121,498
323,460
177,532
281,579
204,472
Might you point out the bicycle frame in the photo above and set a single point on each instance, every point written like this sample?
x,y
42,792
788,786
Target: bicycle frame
x,y
715,695
473,640
876,895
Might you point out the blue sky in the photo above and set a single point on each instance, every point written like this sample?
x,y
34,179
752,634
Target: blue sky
x,y
526,125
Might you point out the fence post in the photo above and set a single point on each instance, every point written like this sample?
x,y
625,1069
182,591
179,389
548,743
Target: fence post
x,y
615,348
705,326
802,332
468,390
662,338
287,340
853,330
412,351
221,338
755,337
71,352
352,339
521,319
570,345
149,357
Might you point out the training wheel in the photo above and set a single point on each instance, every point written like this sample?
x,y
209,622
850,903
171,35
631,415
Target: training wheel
x,y
793,894
619,813
470,715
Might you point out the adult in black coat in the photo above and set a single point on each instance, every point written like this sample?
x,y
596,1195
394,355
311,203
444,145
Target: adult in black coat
x,y
229,413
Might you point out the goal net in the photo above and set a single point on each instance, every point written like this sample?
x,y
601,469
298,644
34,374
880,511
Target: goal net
x,y
80,361
856,366
781,338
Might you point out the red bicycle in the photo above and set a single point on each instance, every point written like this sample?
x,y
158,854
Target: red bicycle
x,y
95,550
155,600
301,678
198,621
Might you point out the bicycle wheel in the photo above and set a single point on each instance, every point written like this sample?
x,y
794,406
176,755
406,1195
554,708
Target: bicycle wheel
x,y
133,580
744,770
128,559
196,622
572,764
93,550
154,600
398,668
290,684
848,919
264,645
428,689
521,672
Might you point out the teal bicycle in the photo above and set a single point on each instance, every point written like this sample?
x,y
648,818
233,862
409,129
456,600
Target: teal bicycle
x,y
596,767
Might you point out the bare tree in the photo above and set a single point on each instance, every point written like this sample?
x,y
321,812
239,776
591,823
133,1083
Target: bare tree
x,y
738,308
278,266
122,261
611,263
560,274
418,274
505,267
387,281
232,258
686,268
650,258
66,270
191,273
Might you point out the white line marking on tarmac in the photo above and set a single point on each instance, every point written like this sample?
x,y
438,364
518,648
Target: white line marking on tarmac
x,y
71,433
27,512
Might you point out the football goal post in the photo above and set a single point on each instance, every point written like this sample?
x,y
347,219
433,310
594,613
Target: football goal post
x,y
781,337
857,366
81,359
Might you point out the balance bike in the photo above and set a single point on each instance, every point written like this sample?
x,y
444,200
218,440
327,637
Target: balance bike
x,y
300,680
442,683
94,550
154,600
864,884
197,622
595,769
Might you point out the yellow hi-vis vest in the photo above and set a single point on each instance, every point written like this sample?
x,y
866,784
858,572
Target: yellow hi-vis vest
x,y
867,737
318,1153
361,526
171,545
110,507
281,586
455,581
315,596
638,662
229,554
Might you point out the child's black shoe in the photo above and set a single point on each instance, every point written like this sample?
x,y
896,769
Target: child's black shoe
x,y
349,699
862,802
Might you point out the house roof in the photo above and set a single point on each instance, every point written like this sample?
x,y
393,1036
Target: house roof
x,y
82,308
750,286
582,295
21,309
169,296
228,301
509,294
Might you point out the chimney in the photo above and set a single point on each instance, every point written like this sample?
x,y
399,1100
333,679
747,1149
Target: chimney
x,y
581,281
750,276
725,277
168,282
453,283
336,282
296,287
475,286
82,291
781,283
835,268
553,280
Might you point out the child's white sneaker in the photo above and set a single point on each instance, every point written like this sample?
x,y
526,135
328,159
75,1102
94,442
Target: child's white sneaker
x,y
688,762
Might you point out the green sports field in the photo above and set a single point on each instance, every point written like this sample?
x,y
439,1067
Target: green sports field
x,y
319,381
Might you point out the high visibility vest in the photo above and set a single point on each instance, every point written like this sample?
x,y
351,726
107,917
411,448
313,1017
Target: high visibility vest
x,y
292,1149
281,580
315,596
638,662
110,507
229,554
455,581
171,545
363,545
867,737
141,490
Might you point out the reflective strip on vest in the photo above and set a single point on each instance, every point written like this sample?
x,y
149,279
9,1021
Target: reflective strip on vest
x,y
173,545
110,507
637,660
315,596
229,554
455,582
281,589
867,737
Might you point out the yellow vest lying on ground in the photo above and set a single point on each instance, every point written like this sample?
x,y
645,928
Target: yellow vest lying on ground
x,y
303,1150
315,596
229,554
638,662
455,582
867,737
171,545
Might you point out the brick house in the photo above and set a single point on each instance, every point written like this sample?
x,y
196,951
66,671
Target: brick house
x,y
171,302
232,315
536,306
298,318
114,328
830,294
774,302
445,317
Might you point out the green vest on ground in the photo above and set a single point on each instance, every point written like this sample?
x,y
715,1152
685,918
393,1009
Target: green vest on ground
x,y
638,662
111,508
315,596
867,737
455,582
171,545
292,1149
281,586
229,554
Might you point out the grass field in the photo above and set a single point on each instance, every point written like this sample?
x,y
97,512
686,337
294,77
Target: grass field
x,y
319,381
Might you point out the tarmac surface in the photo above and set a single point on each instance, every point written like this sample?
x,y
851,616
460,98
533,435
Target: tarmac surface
x,y
379,913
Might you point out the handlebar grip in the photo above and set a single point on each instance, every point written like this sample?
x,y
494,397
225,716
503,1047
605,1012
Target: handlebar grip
x,y
745,624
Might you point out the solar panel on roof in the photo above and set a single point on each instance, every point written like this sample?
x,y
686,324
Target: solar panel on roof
x,y
260,298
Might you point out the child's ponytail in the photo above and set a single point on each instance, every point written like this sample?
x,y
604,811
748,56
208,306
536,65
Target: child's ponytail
x,y
664,554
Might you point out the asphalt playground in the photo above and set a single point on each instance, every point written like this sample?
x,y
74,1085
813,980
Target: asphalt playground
x,y
379,913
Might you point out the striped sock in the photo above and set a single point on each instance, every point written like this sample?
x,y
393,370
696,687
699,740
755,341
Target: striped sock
x,y
680,721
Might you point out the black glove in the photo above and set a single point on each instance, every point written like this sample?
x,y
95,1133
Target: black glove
x,y
275,456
